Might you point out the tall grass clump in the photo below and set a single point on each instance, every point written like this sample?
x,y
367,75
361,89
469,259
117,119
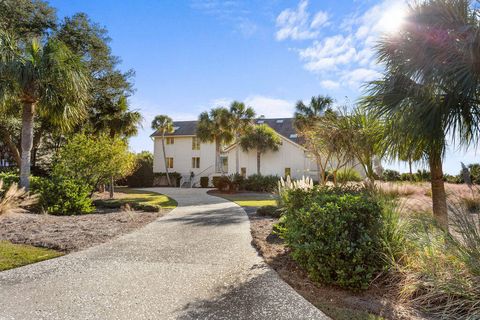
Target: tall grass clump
x,y
440,272
14,199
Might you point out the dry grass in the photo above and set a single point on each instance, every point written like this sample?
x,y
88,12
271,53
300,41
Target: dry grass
x,y
15,199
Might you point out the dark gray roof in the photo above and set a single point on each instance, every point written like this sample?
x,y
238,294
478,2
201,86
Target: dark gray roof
x,y
283,126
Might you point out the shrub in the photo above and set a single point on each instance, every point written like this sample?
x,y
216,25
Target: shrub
x,y
272,211
222,183
259,183
9,178
347,175
335,235
204,182
63,196
142,176
390,175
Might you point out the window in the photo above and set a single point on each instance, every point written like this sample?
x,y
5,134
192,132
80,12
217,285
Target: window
x,y
288,172
279,121
224,164
170,140
169,163
243,172
195,143
260,121
175,128
293,136
196,163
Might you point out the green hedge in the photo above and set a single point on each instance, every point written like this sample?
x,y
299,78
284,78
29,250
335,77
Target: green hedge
x,y
259,183
334,234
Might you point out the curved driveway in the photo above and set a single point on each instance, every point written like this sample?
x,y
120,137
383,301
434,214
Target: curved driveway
x,y
194,263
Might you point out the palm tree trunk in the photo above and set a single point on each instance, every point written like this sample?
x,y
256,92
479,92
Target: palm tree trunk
x,y
27,143
165,160
218,168
258,161
439,197
237,155
320,171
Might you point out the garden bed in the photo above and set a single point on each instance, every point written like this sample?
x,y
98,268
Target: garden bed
x,y
337,303
77,232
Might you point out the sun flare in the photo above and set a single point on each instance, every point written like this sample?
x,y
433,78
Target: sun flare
x,y
393,19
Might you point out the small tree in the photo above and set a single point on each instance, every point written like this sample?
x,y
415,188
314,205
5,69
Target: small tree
x,y
214,126
262,138
94,160
163,124
242,119
307,124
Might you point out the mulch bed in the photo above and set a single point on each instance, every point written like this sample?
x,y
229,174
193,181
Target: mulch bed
x,y
72,233
375,300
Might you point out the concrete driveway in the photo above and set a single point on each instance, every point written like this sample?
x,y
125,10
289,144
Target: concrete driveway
x,y
194,263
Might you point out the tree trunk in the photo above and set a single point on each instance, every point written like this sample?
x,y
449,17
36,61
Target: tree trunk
x,y
258,161
112,187
27,143
7,139
237,155
165,160
320,173
439,198
218,168
37,138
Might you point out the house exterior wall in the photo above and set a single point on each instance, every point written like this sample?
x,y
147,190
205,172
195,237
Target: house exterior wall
x,y
182,154
289,155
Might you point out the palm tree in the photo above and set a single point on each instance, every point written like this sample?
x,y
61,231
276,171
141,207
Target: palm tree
x,y
163,124
305,120
305,116
118,121
242,118
430,86
47,79
214,126
261,138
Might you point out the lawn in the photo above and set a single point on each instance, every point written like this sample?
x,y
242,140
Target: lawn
x,y
17,255
137,199
249,199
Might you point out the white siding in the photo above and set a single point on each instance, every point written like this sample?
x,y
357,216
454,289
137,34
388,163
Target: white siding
x,y
289,155
182,154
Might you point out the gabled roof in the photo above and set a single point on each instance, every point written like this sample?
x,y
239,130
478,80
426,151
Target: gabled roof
x,y
283,126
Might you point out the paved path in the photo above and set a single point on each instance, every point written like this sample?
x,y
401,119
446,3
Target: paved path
x,y
195,263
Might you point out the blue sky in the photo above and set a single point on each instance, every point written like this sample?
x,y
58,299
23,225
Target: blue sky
x,y
191,55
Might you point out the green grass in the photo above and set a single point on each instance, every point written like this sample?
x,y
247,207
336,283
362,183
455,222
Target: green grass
x,y
138,199
338,313
251,199
17,255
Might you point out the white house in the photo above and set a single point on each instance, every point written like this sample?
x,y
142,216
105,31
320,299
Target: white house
x,y
186,155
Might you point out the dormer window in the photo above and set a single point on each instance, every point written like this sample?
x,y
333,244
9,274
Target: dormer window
x,y
175,128
279,121
260,121
293,136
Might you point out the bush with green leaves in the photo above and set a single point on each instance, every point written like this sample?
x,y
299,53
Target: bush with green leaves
x,y
335,234
259,183
348,175
272,211
64,196
204,182
390,175
175,178
93,160
142,175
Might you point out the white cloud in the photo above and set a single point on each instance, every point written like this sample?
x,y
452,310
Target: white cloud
x,y
347,54
271,107
297,25
330,84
